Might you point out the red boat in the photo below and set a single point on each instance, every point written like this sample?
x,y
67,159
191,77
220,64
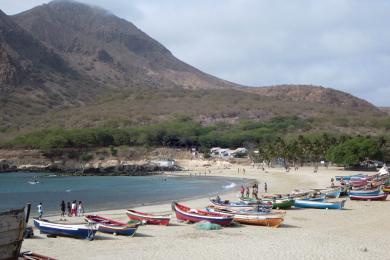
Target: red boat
x,y
148,218
381,196
194,215
110,226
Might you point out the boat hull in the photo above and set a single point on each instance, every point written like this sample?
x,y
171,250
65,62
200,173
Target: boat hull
x,y
148,218
319,204
364,192
259,221
281,204
12,225
370,197
333,193
75,231
191,215
123,231
110,226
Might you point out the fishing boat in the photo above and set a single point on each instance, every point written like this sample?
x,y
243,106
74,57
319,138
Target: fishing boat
x,y
333,193
319,204
348,177
364,192
225,204
12,225
386,189
85,231
258,219
381,196
320,198
283,203
110,226
194,215
148,218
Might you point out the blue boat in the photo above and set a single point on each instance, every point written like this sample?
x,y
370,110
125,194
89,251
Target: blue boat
x,y
348,177
364,192
319,204
85,231
335,193
322,198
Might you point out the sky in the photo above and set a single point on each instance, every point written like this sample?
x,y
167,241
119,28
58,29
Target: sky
x,y
341,44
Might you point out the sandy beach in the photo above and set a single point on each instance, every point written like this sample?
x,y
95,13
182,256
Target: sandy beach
x,y
358,232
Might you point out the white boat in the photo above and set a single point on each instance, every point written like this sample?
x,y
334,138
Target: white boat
x,y
12,225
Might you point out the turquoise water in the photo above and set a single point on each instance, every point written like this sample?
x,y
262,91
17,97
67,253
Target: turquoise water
x,y
99,193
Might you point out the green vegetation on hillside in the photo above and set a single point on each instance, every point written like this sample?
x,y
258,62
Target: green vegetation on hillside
x,y
288,138
178,133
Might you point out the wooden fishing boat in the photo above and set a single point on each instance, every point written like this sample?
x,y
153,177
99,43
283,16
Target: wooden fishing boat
x,y
85,231
193,215
386,189
148,218
259,219
110,226
333,193
364,192
252,217
381,196
319,204
320,198
12,225
358,183
348,177
225,204
284,203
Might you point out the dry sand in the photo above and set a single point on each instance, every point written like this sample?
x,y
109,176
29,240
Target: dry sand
x,y
361,231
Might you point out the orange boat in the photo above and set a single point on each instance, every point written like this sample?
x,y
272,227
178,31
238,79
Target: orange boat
x,y
259,220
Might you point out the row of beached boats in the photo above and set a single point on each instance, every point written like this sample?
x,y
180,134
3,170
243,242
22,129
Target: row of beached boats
x,y
269,211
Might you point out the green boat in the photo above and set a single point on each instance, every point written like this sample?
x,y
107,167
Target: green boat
x,y
280,203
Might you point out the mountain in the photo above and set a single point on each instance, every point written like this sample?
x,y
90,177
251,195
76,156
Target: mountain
x,y
34,78
67,64
110,49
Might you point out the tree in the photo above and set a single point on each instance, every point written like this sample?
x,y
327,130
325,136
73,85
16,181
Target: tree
x,y
354,150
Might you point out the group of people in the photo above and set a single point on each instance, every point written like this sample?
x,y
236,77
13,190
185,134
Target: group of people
x,y
245,191
70,209
73,209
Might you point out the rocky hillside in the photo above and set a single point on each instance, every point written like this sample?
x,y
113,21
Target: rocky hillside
x,y
110,49
67,64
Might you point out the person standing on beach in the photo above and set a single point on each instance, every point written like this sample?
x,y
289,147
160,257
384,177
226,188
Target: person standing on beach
x,y
69,209
80,209
247,191
265,187
73,210
40,210
242,191
255,191
63,207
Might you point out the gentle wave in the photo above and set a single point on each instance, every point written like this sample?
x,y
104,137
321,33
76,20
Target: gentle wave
x,y
230,186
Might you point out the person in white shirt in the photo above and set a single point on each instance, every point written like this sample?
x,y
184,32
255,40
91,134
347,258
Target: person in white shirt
x,y
40,210
80,209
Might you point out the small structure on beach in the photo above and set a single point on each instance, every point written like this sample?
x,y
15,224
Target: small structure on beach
x,y
228,153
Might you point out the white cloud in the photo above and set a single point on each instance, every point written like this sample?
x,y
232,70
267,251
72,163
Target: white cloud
x,y
341,44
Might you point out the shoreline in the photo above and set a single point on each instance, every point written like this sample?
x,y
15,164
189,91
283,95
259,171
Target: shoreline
x,y
317,230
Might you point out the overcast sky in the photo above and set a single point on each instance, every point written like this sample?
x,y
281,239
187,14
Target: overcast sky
x,y
342,44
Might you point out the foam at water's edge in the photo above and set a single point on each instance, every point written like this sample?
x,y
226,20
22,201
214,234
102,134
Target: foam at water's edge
x,y
230,186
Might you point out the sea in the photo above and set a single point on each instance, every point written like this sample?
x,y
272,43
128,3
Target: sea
x,y
105,192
